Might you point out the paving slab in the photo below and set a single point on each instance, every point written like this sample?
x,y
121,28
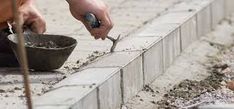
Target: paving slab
x,y
61,97
91,76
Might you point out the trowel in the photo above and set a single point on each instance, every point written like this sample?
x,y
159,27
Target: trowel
x,y
92,20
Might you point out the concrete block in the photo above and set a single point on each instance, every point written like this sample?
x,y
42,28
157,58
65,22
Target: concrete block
x,y
90,76
217,8
188,32
153,62
175,17
158,28
132,79
78,96
229,7
110,93
116,59
93,45
133,43
190,6
171,48
204,21
88,102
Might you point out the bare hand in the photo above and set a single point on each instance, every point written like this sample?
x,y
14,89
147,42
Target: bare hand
x,y
79,8
28,13
32,18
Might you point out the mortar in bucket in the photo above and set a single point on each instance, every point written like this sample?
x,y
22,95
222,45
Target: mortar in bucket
x,y
45,52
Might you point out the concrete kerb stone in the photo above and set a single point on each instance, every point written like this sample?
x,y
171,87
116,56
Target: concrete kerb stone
x,y
130,64
218,12
116,59
171,48
68,96
204,22
83,89
132,79
229,7
134,43
188,32
107,81
86,101
90,76
109,93
153,62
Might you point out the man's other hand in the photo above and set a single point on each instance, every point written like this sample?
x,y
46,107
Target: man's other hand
x,y
31,18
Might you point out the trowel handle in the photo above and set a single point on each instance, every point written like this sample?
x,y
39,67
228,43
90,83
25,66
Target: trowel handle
x,y
92,20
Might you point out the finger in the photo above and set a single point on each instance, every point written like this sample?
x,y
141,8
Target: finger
x,y
103,30
38,26
110,26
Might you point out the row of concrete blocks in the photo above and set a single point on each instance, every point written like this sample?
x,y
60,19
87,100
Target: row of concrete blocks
x,y
138,60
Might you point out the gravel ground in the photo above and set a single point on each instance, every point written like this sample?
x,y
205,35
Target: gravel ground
x,y
216,89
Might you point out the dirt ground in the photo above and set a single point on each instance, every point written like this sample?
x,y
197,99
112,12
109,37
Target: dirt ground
x,y
215,89
202,75
218,88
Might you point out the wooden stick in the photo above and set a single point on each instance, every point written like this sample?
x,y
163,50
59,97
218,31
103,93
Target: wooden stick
x,y
22,54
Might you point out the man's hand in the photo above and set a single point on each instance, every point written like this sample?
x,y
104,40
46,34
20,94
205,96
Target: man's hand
x,y
31,17
79,8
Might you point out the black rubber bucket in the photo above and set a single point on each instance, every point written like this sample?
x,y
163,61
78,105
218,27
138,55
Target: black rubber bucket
x,y
45,58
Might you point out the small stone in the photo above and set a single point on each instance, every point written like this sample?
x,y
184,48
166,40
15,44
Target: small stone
x,y
190,10
226,71
11,91
90,86
2,91
64,77
6,96
153,102
230,85
38,94
78,61
166,95
141,100
17,88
